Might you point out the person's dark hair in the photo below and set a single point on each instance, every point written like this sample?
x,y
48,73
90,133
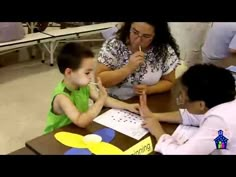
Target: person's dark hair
x,y
209,83
71,56
160,42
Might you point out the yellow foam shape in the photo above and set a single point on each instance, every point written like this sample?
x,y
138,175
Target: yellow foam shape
x,y
70,139
104,148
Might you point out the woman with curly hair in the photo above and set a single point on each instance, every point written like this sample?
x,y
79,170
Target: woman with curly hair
x,y
142,57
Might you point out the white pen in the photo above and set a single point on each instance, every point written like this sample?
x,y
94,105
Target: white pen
x,y
140,48
94,83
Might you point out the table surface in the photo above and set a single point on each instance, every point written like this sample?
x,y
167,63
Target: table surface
x,y
81,29
22,151
28,38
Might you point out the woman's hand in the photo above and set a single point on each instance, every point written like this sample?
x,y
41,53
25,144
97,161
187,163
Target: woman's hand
x,y
139,89
135,60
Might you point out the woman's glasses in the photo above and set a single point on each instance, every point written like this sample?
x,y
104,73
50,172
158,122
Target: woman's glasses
x,y
138,34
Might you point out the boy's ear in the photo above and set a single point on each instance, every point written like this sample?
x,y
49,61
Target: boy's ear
x,y
202,106
68,71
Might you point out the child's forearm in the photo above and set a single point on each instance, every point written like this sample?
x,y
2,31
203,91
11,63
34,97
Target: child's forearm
x,y
87,117
170,117
114,103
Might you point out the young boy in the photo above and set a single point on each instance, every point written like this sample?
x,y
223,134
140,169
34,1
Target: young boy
x,y
208,96
70,99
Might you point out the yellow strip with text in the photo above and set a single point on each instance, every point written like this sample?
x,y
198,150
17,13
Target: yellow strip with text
x,y
144,147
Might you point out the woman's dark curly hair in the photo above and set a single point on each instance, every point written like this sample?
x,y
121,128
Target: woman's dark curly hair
x,y
160,42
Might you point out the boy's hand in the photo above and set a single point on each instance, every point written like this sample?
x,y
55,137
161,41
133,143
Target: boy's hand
x,y
102,90
144,110
154,127
133,108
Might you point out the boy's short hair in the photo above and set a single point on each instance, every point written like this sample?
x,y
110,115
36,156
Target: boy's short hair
x,y
71,56
209,83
